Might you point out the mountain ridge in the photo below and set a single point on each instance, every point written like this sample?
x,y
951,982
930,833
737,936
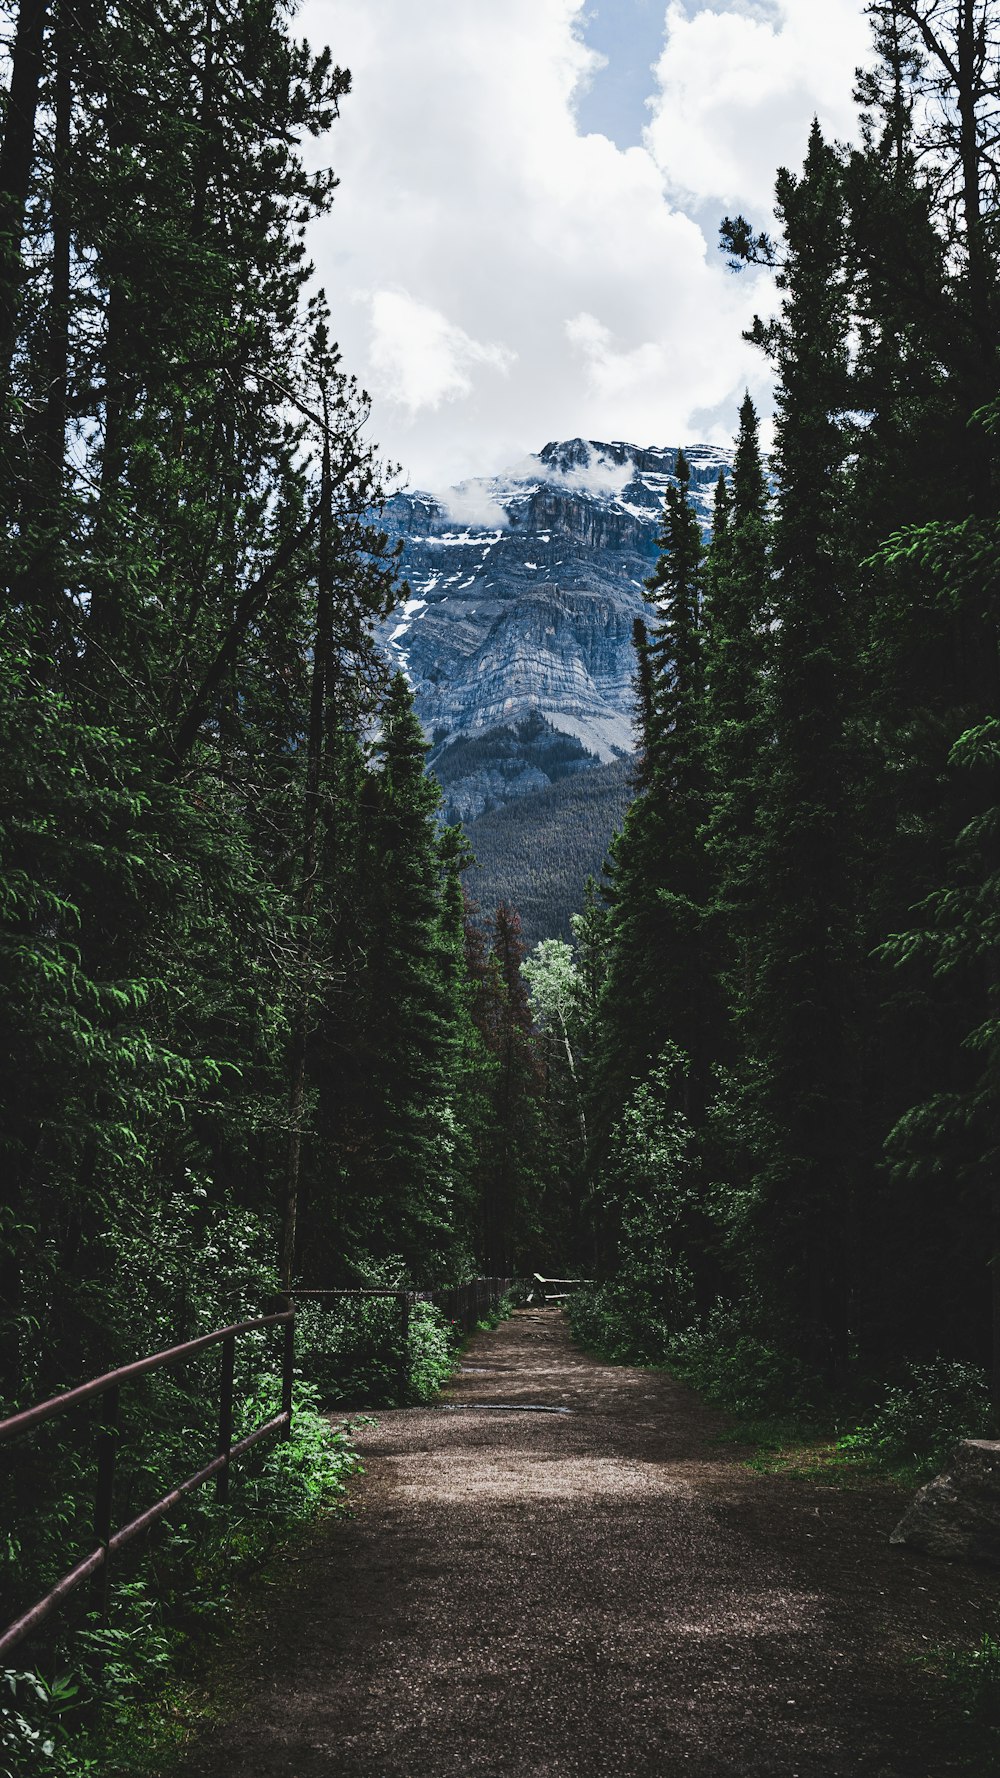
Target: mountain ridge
x,y
522,592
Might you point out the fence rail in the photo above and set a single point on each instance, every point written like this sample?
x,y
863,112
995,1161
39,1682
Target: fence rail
x,y
464,1304
95,1566
556,1296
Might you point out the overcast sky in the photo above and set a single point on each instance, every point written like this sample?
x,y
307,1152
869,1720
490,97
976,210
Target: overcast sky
x,y
523,245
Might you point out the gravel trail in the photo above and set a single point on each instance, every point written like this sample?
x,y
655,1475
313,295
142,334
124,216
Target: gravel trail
x,y
600,1593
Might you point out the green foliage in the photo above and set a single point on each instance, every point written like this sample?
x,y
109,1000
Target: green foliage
x,y
971,1678
297,1477
432,1350
35,1735
504,1309
116,1705
352,1352
648,1189
804,892
921,1418
718,1355
741,1370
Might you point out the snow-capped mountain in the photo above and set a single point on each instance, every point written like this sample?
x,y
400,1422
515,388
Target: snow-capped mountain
x,y
517,633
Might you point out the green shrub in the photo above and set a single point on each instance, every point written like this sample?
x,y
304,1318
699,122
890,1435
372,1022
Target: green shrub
x,y
433,1346
718,1355
117,1700
293,1478
921,1418
733,1365
35,1734
502,1312
351,1352
622,1321
973,1679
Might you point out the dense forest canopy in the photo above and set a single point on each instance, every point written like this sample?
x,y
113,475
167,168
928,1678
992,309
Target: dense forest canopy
x,y
253,1032
796,1043
253,1035
235,985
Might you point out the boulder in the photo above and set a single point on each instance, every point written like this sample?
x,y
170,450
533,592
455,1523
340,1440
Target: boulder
x,y
957,1515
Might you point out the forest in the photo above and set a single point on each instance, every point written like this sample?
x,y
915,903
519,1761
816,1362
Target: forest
x,y
255,1035
795,1062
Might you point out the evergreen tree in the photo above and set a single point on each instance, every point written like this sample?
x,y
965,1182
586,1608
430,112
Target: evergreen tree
x,y
406,1034
807,997
503,1015
738,608
659,982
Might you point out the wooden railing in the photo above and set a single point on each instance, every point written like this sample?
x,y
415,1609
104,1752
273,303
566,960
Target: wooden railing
x,y
561,1294
463,1304
108,1542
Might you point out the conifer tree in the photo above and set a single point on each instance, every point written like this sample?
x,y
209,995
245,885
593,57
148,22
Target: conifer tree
x,y
407,1037
659,982
503,1014
806,996
737,634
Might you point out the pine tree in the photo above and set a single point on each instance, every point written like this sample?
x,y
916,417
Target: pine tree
x,y
659,982
737,637
165,486
407,1038
806,999
503,1015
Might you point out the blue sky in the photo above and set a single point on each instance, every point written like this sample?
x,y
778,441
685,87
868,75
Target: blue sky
x,y
629,33
523,245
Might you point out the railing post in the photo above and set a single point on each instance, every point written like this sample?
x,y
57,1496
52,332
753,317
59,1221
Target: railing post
x,y
404,1346
107,1452
287,1376
226,1376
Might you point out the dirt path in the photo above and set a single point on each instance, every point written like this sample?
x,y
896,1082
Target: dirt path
x,y
605,1593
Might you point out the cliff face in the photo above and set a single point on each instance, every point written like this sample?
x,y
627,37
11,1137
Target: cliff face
x,y
517,635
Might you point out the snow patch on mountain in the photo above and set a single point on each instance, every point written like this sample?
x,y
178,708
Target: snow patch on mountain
x,y
523,590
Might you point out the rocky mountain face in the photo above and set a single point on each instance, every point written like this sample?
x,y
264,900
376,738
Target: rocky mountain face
x,y
517,638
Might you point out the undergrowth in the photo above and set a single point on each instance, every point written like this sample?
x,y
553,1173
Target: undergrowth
x,y
113,1699
503,1311
904,1426
967,1681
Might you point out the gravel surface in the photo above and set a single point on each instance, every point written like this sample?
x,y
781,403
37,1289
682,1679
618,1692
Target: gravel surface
x,y
605,1592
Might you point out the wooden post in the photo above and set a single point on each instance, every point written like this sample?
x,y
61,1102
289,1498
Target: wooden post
x,y
224,1446
287,1376
107,1452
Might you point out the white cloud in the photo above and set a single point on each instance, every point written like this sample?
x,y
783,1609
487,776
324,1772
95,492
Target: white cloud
x,y
498,279
471,504
419,357
738,89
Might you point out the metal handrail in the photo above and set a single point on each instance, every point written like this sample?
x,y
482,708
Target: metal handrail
x,y
95,1565
59,1404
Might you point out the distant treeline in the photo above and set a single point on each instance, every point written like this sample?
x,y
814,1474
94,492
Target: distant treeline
x,y
537,852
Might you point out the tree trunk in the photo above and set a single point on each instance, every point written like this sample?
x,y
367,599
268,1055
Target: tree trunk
x,y
310,830
16,157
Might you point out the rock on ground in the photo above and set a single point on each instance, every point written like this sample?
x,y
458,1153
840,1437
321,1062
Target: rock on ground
x,y
957,1515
